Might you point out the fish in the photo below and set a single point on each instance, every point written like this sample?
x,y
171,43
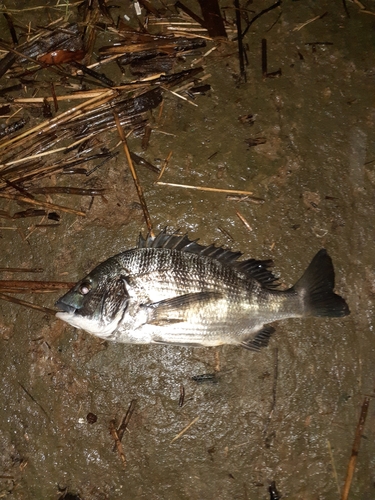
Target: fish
x,y
274,494
174,291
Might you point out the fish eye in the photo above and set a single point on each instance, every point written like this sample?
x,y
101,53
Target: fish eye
x,y
84,288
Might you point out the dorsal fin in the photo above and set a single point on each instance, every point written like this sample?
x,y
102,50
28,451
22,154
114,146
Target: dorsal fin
x,y
259,270
252,268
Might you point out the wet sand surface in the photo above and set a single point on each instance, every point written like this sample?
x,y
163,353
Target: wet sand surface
x,y
288,413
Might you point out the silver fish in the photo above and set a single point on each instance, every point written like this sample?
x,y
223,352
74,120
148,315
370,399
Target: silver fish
x,y
171,290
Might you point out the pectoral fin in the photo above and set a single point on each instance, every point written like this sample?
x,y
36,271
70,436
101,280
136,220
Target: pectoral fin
x,y
164,321
174,310
184,301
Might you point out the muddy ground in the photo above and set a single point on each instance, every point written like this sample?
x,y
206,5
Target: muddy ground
x,y
286,414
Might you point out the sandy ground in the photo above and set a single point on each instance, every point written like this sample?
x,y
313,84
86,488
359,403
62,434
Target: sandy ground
x,y
287,414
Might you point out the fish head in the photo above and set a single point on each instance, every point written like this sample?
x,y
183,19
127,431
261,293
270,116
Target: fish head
x,y
97,303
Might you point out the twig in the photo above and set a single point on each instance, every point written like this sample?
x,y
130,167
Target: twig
x,y
133,173
266,74
184,430
182,396
67,115
239,40
333,466
178,95
68,97
264,57
345,8
112,428
164,166
46,153
264,11
44,204
21,269
355,449
249,199
8,298
35,401
227,234
125,421
39,155
274,390
34,286
190,13
360,4
302,25
213,21
68,190
244,221
26,9
198,61
202,188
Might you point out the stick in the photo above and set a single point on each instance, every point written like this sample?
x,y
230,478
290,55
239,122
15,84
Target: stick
x,y
134,174
182,396
178,95
274,390
239,40
8,298
30,286
67,115
118,444
302,25
334,472
33,157
264,57
68,97
202,188
125,421
35,401
250,199
360,5
213,21
44,204
184,430
26,9
164,166
190,13
244,221
264,11
355,449
21,269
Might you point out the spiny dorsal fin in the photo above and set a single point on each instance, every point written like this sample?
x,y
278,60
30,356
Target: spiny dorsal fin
x,y
256,269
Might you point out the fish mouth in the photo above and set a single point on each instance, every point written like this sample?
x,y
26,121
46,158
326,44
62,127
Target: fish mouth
x,y
63,306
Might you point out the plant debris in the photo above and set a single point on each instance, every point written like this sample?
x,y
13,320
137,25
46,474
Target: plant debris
x,y
64,92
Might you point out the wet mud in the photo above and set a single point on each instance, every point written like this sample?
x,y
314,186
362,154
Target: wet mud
x,y
286,414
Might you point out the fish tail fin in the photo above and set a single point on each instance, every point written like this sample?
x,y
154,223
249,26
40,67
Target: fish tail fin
x,y
316,289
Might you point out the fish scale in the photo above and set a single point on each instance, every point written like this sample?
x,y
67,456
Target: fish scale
x,y
172,290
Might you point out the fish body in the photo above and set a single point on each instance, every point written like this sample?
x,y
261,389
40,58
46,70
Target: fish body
x,y
171,290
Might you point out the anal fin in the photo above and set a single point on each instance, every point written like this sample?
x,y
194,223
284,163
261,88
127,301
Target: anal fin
x,y
260,340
